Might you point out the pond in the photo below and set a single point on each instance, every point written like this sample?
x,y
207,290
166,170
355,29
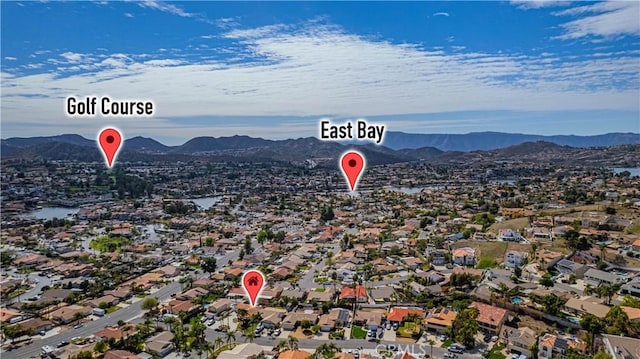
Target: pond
x,y
48,213
205,202
635,171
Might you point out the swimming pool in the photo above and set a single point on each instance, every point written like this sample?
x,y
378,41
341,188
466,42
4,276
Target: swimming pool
x,y
517,300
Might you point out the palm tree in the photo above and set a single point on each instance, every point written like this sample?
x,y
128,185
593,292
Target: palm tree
x,y
431,344
229,336
603,251
250,334
282,344
292,342
170,321
218,342
326,351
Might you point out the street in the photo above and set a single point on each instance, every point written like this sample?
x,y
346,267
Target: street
x,y
90,327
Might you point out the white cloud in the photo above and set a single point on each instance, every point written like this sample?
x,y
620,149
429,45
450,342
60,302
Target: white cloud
x,y
604,19
10,58
446,14
322,70
537,4
162,6
128,14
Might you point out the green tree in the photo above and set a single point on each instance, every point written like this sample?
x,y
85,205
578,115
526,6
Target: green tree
x,y
101,346
618,323
465,327
629,301
12,331
209,264
327,213
149,304
602,355
197,334
546,280
607,291
292,342
326,351
552,304
248,249
593,325
229,336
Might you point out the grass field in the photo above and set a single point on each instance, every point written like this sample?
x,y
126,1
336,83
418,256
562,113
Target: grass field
x,y
487,250
108,244
516,223
358,333
557,211
408,330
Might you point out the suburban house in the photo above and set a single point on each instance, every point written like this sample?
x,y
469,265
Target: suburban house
x,y
520,340
271,317
440,319
293,319
515,259
596,277
219,306
242,351
160,344
336,317
465,256
578,306
569,267
490,318
547,258
69,313
438,258
371,320
358,293
294,354
553,346
382,294
108,299
400,314
620,347
509,235
632,288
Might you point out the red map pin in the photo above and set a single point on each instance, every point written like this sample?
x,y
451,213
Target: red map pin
x,y
352,164
253,282
110,140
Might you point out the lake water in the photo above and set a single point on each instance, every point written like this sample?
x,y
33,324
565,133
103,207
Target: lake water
x,y
48,213
413,190
205,202
635,171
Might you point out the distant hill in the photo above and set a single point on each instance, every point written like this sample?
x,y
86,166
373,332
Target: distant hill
x,y
493,140
326,153
145,144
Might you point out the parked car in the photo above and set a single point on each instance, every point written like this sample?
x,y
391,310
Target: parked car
x,y
78,326
455,348
442,338
277,332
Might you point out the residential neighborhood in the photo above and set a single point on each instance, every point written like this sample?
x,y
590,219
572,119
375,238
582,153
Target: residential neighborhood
x,y
457,269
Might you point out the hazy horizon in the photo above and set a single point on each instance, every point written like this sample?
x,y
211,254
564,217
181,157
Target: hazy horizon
x,y
316,137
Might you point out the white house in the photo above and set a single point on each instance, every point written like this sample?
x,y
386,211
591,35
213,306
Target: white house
x,y
515,259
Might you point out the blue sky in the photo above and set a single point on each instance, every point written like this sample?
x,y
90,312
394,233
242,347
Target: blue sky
x,y
274,69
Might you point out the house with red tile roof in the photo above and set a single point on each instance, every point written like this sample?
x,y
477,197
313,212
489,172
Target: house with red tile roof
x,y
490,318
358,293
400,314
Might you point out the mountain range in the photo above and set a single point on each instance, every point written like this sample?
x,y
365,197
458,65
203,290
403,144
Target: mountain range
x,y
494,140
609,149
